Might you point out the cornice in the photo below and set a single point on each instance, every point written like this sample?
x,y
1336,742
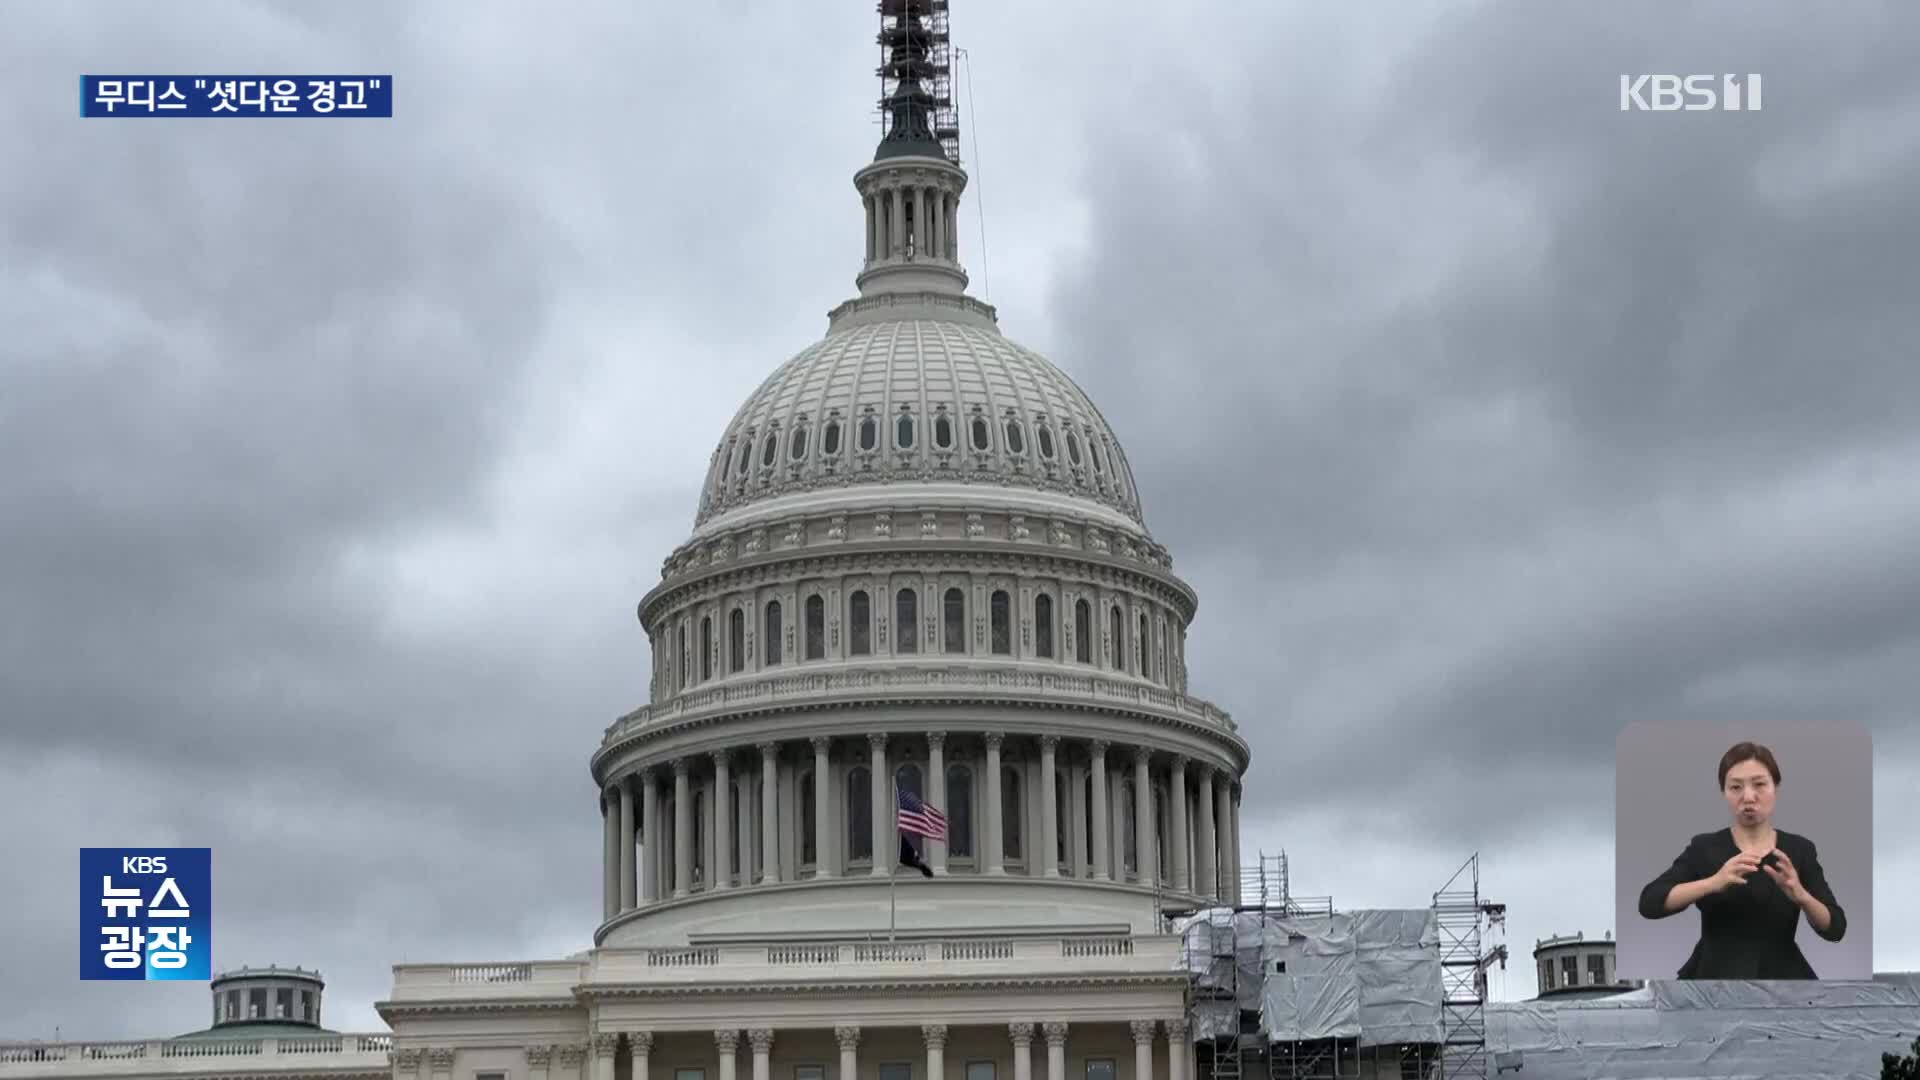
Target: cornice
x,y
894,987
392,1010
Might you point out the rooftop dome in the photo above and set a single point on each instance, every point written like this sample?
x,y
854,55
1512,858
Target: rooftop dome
x,y
925,396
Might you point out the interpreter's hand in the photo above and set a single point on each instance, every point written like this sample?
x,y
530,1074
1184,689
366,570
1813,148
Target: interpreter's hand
x,y
1735,870
1782,871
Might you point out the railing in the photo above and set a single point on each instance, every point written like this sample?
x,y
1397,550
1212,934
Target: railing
x,y
976,950
362,1053
801,687
493,973
702,957
889,954
1096,947
803,954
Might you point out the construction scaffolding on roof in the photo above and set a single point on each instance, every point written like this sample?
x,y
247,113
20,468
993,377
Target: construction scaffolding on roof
x,y
1287,988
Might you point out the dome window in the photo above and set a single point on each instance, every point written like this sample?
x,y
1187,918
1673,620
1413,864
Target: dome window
x,y
903,431
830,444
979,433
1016,442
1045,435
746,455
1073,449
799,441
869,433
768,449
943,432
1099,459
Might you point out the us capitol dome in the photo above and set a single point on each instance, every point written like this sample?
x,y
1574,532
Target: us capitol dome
x,y
919,571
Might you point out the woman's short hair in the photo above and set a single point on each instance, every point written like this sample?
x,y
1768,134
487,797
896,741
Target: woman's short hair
x,y
1747,751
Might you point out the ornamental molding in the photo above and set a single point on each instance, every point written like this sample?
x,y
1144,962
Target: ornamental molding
x,y
393,1010
892,987
674,599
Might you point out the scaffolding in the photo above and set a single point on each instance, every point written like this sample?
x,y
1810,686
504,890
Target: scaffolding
x,y
1352,1007
916,72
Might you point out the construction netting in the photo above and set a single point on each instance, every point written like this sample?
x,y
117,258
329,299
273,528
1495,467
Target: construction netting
x,y
1371,976
1674,1030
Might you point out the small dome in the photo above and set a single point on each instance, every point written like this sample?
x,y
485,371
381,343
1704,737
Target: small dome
x,y
918,400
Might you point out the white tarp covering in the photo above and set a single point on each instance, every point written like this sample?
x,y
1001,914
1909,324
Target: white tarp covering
x,y
1373,976
1676,1030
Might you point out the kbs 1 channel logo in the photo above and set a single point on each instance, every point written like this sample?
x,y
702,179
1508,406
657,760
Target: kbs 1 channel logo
x,y
146,913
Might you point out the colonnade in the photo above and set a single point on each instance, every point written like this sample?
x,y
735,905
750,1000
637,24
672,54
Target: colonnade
x,y
912,221
737,817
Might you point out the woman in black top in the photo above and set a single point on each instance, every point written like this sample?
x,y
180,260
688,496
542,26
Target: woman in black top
x,y
1751,882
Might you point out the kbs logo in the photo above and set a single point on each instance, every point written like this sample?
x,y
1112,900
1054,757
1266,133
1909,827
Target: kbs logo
x,y
146,913
1689,93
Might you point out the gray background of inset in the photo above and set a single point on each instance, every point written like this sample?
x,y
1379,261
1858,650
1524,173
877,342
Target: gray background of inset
x,y
1665,793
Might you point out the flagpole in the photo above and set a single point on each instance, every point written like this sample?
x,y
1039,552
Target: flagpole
x,y
893,871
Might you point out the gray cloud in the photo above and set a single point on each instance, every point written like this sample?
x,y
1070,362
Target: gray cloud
x,y
1485,418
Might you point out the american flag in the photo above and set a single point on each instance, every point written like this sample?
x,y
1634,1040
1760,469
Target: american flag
x,y
920,819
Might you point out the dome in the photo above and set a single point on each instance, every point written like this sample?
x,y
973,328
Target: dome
x,y
918,396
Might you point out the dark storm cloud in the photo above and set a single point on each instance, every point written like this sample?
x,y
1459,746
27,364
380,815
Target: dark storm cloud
x,y
1489,418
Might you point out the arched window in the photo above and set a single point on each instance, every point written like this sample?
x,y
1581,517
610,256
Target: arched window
x,y
830,444
1166,673
1141,645
903,431
746,455
1016,442
943,431
808,826
798,444
686,658
859,813
907,778
1118,631
1061,812
1043,626
1012,815
737,640
1073,449
1099,458
869,433
955,618
1045,435
1082,632
816,627
960,811
906,621
859,624
771,634
1002,623
1129,848
706,647
980,436
767,449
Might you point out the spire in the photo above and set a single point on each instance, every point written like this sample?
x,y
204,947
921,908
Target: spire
x,y
912,188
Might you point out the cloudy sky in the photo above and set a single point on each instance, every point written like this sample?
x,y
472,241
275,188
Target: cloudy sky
x,y
1485,418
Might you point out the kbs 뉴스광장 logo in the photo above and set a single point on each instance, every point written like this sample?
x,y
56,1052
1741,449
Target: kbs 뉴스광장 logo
x,y
146,913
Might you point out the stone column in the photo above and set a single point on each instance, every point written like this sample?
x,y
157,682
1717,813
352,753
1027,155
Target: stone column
x,y
1223,835
1205,848
937,794
610,854
824,864
539,1058
571,1057
1233,813
1056,1033
953,227
626,846
996,848
1177,1049
769,811
650,837
872,229
605,1045
1143,1031
728,1040
936,1036
849,1039
938,212
1022,1035
761,1040
1117,820
639,1052
1177,821
1049,855
883,814
896,222
1144,832
721,874
682,827
1100,813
